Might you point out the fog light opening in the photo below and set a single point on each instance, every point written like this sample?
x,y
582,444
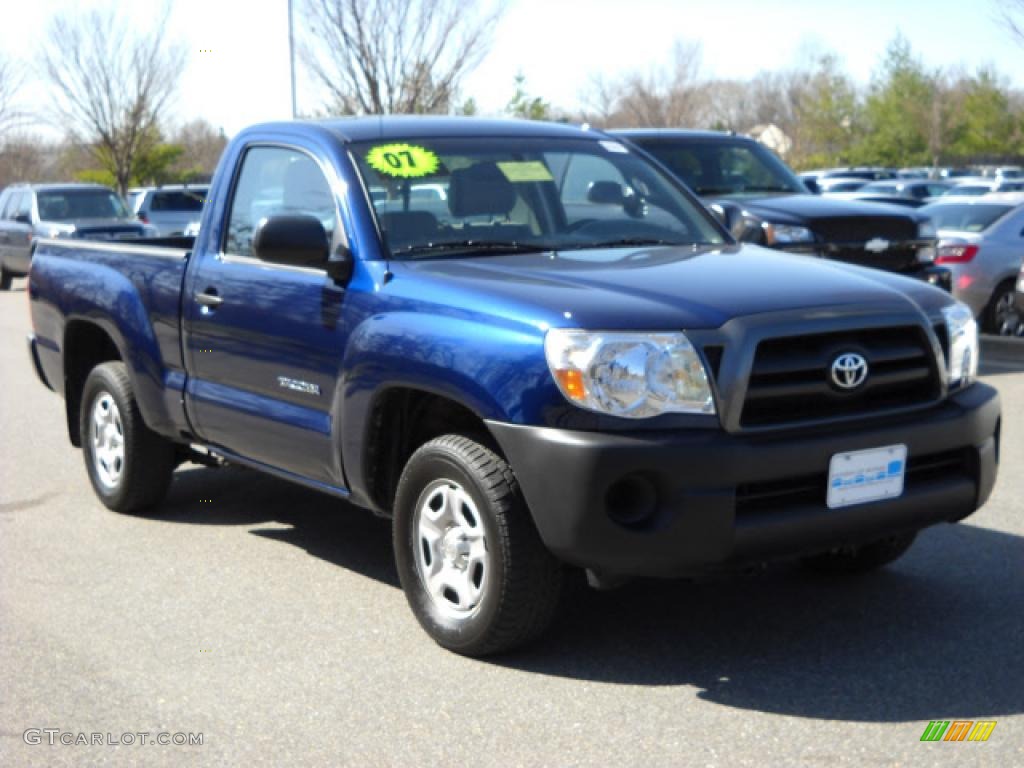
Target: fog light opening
x,y
632,501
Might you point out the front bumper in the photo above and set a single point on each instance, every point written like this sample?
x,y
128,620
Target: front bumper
x,y
691,500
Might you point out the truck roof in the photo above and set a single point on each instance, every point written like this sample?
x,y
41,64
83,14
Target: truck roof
x,y
430,126
675,133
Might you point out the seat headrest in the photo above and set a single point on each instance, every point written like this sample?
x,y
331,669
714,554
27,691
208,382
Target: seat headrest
x,y
406,227
480,190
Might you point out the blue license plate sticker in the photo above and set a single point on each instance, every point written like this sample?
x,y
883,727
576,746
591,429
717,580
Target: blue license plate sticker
x,y
859,477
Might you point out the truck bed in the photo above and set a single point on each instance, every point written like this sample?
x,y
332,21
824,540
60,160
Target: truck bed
x,y
133,290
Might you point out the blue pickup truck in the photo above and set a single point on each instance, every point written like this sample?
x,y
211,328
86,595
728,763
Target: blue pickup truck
x,y
529,346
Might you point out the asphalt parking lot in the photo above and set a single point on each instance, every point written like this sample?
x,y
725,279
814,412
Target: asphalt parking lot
x,y
268,618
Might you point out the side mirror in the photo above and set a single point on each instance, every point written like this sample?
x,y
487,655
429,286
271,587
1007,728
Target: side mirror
x,y
295,240
606,193
23,218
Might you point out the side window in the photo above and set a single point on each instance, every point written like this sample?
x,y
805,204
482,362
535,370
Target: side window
x,y
276,181
12,204
920,191
25,204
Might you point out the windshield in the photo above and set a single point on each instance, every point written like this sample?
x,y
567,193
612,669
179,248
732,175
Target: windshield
x,y
185,201
725,168
69,204
966,217
479,196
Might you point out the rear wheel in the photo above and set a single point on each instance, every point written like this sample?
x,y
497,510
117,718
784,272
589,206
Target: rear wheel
x,y
5,279
129,465
866,557
1001,316
473,567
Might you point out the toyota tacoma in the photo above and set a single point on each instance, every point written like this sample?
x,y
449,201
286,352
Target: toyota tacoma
x,y
560,360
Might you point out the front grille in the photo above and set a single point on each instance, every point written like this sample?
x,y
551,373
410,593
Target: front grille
x,y
812,490
860,229
896,258
790,381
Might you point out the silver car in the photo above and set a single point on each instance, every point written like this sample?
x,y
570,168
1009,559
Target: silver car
x,y
981,241
170,208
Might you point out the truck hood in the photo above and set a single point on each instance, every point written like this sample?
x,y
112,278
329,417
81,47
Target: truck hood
x,y
800,209
652,288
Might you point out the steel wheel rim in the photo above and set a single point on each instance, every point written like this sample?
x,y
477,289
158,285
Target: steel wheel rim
x,y
1007,319
452,557
107,434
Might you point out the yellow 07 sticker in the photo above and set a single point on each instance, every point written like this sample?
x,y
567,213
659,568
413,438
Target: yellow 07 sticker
x,y
405,161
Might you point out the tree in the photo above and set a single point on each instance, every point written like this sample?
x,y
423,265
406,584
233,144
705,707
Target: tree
x,y
672,97
524,106
396,56
11,79
202,146
904,122
1011,14
825,114
112,85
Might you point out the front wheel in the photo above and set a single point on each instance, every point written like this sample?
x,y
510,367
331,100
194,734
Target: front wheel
x,y
473,567
129,465
867,557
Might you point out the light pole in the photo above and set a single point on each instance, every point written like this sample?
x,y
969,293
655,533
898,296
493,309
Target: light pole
x,y
291,57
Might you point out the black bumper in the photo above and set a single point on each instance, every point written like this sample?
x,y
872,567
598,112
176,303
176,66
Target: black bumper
x,y
651,503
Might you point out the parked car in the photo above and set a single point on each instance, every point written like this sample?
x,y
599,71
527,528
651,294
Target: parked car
x,y
981,241
170,208
833,185
761,201
1020,301
31,211
975,187
923,190
573,366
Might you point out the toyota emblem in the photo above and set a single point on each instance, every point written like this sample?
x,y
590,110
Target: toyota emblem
x,y
849,371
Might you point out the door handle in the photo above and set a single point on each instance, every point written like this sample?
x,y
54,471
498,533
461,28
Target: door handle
x,y
209,298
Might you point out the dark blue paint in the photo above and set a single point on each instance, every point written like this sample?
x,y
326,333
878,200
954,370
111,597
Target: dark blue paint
x,y
469,329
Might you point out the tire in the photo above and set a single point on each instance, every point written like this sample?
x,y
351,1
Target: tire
x,y
1001,316
867,557
496,587
129,465
5,279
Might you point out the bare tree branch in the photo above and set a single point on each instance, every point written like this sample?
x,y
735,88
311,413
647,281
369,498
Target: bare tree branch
x,y
396,56
113,84
12,77
1011,14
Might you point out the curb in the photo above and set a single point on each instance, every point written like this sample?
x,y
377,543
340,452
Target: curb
x,y
1003,348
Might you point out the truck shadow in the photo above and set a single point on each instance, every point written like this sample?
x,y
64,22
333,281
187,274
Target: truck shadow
x,y
936,635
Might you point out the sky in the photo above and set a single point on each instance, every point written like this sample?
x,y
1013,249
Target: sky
x,y
238,68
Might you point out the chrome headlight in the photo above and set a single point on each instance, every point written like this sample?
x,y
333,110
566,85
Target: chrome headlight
x,y
632,375
962,365
784,234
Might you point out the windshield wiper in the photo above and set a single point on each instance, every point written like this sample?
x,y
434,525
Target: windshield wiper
x,y
623,242
478,246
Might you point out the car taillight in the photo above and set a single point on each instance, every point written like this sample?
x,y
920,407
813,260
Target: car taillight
x,y
143,218
955,254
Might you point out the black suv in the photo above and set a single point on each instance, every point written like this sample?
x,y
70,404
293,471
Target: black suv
x,y
31,211
762,201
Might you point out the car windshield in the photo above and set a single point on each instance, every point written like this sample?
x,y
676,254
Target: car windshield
x,y
726,169
973,190
483,196
966,217
69,204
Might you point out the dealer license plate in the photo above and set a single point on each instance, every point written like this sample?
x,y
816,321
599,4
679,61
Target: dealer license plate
x,y
862,476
